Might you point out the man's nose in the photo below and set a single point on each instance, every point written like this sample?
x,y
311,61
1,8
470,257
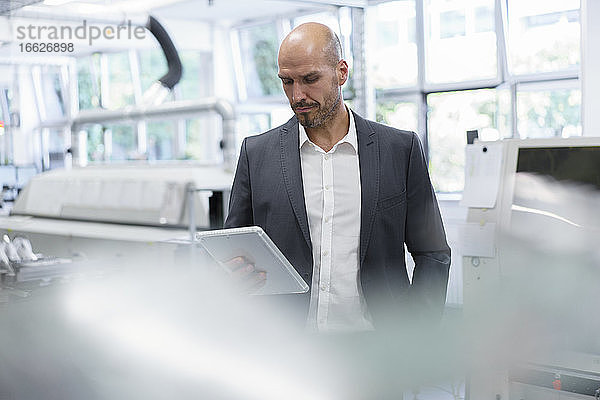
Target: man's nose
x,y
297,93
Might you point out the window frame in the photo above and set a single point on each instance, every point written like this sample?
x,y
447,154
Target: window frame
x,y
504,78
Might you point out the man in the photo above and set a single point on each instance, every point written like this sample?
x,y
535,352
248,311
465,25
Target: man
x,y
340,196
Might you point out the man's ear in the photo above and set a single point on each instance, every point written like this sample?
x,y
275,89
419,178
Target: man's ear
x,y
342,72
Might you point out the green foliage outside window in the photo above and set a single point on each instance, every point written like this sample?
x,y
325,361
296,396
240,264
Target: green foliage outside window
x,y
88,82
259,45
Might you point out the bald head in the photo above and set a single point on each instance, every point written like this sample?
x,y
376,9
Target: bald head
x,y
312,73
312,40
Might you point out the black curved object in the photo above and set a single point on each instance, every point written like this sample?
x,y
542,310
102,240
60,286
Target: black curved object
x,y
173,75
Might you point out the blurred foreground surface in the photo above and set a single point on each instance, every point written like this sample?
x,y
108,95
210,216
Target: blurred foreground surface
x,y
166,323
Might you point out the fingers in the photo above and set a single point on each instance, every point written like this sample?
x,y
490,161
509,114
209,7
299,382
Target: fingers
x,y
256,281
246,274
239,266
244,271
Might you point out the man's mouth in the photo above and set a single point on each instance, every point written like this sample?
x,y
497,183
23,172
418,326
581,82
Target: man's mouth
x,y
303,109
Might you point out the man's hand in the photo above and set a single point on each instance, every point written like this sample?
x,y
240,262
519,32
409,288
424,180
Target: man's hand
x,y
245,274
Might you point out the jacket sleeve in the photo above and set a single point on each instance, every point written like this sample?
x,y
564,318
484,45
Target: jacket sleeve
x,y
240,200
425,238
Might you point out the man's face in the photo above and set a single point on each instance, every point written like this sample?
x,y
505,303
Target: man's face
x,y
312,86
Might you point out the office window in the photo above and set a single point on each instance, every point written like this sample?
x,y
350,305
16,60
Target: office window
x,y
203,139
392,45
549,113
451,115
120,81
197,78
258,47
452,23
484,19
399,114
95,143
120,143
88,81
459,44
251,124
153,65
160,140
543,36
50,95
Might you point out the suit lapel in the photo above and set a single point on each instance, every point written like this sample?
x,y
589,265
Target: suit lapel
x,y
292,174
368,158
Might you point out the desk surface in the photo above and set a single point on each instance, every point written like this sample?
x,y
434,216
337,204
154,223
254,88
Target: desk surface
x,y
94,230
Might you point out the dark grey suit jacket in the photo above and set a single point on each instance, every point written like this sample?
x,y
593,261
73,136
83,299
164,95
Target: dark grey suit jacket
x,y
398,206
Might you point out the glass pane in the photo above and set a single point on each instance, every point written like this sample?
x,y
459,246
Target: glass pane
x,y
95,143
123,144
56,141
88,81
451,115
203,139
484,19
460,40
121,83
400,114
258,47
196,81
153,65
251,124
280,115
452,23
392,60
161,140
543,35
52,93
549,113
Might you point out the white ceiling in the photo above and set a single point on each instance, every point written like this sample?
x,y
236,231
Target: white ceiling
x,y
234,10
223,12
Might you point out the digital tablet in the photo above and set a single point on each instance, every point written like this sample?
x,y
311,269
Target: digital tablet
x,y
257,247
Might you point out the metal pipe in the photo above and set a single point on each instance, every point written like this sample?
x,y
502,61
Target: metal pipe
x,y
167,110
175,71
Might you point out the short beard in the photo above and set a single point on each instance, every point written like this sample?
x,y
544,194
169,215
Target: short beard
x,y
322,120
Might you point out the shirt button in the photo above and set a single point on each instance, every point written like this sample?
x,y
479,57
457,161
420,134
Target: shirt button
x,y
327,187
327,219
323,288
325,253
326,156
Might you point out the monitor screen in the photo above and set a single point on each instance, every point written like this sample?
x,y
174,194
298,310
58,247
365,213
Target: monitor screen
x,y
564,164
557,194
555,226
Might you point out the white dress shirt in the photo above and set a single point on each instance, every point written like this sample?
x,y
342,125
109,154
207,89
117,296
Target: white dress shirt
x,y
333,201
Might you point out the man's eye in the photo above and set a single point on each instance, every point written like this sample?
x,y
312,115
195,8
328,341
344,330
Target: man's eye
x,y
286,81
311,80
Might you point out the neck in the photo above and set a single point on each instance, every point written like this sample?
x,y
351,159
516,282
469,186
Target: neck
x,y
331,132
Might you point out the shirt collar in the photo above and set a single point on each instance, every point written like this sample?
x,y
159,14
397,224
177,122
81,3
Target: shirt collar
x,y
350,138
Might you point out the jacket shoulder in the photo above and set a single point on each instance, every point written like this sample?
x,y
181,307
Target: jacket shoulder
x,y
392,136
266,139
395,133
